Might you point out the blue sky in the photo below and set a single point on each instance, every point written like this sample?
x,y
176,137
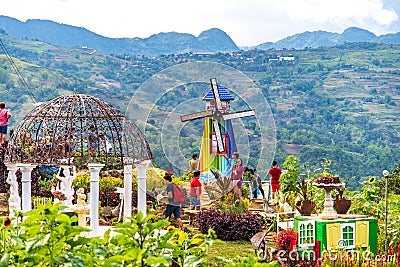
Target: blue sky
x,y
247,22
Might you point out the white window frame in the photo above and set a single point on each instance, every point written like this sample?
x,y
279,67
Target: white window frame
x,y
344,241
307,233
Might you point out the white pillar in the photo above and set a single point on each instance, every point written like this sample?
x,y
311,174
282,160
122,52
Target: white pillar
x,y
142,167
127,201
14,201
26,179
94,169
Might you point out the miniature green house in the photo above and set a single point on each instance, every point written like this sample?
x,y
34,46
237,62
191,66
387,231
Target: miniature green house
x,y
345,232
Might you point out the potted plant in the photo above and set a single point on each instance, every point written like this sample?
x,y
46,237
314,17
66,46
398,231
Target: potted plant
x,y
292,183
306,205
341,205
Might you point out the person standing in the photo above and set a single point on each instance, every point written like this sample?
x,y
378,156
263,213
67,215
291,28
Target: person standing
x,y
275,173
92,138
258,178
195,191
172,207
104,143
193,163
5,116
237,175
232,161
256,183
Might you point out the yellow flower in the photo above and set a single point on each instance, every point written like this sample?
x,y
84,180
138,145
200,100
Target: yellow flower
x,y
372,180
7,222
182,237
171,227
328,162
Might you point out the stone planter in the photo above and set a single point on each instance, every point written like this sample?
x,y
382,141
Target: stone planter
x,y
342,205
306,207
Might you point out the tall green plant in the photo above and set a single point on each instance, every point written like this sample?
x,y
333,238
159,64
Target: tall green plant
x,y
140,242
46,237
367,201
291,180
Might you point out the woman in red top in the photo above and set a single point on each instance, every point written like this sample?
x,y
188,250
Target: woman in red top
x,y
195,191
275,173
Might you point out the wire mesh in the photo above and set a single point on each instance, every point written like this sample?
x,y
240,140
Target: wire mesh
x,y
77,129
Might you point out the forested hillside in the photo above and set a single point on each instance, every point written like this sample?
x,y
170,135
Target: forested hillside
x,y
340,103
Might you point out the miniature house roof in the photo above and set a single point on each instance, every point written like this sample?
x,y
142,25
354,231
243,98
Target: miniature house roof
x,y
223,94
77,129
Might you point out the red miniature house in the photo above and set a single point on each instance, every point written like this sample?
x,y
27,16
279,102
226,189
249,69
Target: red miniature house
x,y
214,145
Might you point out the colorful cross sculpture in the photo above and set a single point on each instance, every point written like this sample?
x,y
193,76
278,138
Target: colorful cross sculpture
x,y
218,137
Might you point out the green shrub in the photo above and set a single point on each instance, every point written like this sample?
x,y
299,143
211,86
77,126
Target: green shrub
x,y
110,182
81,180
230,205
155,178
48,238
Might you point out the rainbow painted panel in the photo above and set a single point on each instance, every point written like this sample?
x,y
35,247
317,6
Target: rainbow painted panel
x,y
209,161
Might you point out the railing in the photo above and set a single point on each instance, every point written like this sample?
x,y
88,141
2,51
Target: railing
x,y
36,201
266,185
286,222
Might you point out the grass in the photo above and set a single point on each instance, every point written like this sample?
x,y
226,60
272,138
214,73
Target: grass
x,y
232,249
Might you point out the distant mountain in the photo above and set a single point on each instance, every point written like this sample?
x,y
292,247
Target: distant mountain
x,y
302,40
324,38
213,40
209,41
354,34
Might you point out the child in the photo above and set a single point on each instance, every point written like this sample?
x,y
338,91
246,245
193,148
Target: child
x,y
195,191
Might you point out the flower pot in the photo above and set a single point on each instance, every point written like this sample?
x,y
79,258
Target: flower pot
x,y
342,205
306,207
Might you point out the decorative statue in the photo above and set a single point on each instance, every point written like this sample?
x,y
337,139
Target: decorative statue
x,y
80,207
14,201
66,177
12,181
80,197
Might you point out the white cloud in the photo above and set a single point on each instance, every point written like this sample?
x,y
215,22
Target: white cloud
x,y
248,22
338,11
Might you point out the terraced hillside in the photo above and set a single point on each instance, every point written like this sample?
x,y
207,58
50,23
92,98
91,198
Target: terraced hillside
x,y
340,103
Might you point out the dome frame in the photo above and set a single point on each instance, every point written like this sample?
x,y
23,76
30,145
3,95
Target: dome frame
x,y
77,129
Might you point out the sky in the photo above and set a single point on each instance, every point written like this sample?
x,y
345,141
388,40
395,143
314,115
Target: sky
x,y
247,22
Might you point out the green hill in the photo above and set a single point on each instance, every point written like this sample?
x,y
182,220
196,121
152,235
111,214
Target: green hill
x,y
340,103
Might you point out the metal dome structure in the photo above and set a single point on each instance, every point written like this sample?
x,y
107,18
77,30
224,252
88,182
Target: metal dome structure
x,y
77,129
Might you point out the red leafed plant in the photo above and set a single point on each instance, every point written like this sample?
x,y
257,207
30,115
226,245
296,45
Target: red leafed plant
x,y
59,195
284,239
